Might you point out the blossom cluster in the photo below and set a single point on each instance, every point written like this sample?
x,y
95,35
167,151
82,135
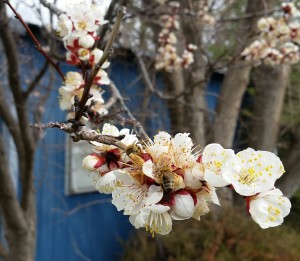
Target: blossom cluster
x,y
203,13
78,29
279,39
167,58
166,179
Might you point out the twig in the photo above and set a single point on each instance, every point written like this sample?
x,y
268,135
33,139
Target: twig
x,y
97,67
36,80
136,124
81,206
52,7
83,134
35,40
148,83
108,16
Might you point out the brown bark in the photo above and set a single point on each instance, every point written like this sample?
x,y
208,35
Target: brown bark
x,y
19,217
235,83
195,80
289,182
270,87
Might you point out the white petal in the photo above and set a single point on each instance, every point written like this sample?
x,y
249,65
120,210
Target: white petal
x,y
109,129
183,208
155,194
148,169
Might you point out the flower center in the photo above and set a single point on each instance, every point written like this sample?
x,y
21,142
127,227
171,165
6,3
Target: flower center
x,y
248,176
273,212
82,25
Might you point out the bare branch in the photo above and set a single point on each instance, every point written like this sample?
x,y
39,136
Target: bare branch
x,y
11,52
136,124
148,83
83,134
108,16
13,127
36,80
52,7
82,206
10,207
35,40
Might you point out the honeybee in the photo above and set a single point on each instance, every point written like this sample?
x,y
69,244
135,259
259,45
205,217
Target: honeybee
x,y
133,149
168,181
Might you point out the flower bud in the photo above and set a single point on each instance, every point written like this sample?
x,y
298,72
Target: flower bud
x,y
93,162
184,205
86,41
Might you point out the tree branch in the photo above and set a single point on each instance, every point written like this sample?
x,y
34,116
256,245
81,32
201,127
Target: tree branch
x,y
136,124
36,80
11,52
83,134
97,67
10,207
148,83
13,127
52,7
35,40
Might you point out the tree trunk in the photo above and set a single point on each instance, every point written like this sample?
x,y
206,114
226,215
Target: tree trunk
x,y
289,182
19,215
270,87
195,80
235,83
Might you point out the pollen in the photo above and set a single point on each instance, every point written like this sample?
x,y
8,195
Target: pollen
x,y
82,25
218,164
248,176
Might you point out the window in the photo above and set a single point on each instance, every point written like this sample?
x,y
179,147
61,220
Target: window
x,y
78,180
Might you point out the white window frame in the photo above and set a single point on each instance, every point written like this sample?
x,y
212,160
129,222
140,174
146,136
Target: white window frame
x,y
77,179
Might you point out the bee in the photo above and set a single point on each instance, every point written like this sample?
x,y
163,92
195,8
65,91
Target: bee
x,y
168,181
133,149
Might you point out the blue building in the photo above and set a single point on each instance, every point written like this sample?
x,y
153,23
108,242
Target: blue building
x,y
75,222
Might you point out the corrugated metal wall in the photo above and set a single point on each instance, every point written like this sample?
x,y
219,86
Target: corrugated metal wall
x,y
85,226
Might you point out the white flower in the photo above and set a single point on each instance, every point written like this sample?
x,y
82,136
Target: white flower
x,y
65,100
129,197
206,194
64,26
102,78
86,41
214,159
153,216
266,24
97,96
251,172
111,130
193,176
182,146
95,57
160,145
83,54
184,206
73,81
107,182
269,208
84,20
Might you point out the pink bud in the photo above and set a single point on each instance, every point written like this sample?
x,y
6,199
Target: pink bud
x,y
93,162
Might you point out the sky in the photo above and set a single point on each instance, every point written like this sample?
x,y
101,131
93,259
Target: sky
x,y
27,9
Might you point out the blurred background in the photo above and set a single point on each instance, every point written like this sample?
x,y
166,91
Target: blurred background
x,y
49,207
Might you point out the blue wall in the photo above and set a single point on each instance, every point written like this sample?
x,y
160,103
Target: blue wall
x,y
96,229
85,226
